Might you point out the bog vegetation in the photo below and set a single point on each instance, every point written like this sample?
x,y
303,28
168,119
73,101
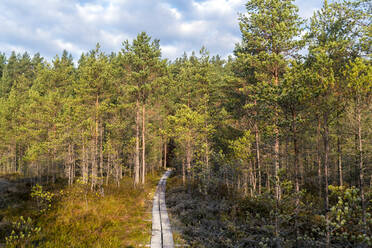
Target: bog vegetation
x,y
272,146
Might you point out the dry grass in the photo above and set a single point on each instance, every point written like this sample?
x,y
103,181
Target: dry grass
x,y
81,218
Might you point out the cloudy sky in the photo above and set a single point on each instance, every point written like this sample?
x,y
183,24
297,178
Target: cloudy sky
x,y
49,26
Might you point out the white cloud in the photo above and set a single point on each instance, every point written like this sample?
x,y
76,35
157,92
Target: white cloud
x,y
62,45
49,26
171,51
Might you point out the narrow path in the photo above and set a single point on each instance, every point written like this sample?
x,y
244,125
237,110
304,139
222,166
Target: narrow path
x,y
162,236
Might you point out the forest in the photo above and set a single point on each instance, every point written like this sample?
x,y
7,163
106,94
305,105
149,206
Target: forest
x,y
270,147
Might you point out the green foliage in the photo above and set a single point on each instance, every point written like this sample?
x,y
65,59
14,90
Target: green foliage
x,y
43,198
242,146
346,217
219,119
23,233
358,74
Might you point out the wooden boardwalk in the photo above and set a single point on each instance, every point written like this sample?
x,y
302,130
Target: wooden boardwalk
x,y
162,236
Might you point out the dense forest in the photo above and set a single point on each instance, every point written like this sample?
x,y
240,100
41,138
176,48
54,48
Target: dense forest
x,y
282,129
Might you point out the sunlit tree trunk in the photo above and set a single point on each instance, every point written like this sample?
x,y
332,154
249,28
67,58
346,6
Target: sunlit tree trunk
x,y
101,153
360,158
137,153
318,158
258,159
143,143
183,172
165,154
276,159
84,163
188,157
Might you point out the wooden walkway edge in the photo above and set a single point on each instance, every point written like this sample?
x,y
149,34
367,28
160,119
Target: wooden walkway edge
x,y
162,236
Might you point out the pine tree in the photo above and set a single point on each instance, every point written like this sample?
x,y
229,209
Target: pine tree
x,y
269,31
144,66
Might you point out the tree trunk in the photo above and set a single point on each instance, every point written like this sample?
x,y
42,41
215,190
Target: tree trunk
x,y
101,153
136,163
94,154
117,171
207,160
276,175
183,172
318,158
326,154
188,157
253,180
73,164
287,154
143,143
339,153
268,177
165,154
69,164
296,162
258,159
360,156
84,164
276,157
95,149
108,167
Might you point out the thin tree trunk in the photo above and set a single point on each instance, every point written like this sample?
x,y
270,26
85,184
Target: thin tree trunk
x,y
361,166
15,158
300,160
253,180
276,162
318,158
94,153
268,177
143,143
296,162
245,182
238,183
326,154
95,148
276,175
165,154
69,164
85,164
136,163
258,159
339,153
183,172
101,152
120,169
108,167
160,155
339,161
207,159
287,154
73,164
188,157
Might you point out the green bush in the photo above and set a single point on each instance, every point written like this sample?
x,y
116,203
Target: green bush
x,y
346,217
43,198
22,233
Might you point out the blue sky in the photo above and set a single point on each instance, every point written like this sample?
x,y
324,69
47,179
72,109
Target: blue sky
x,y
50,26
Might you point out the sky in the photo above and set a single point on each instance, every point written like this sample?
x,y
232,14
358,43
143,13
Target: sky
x,y
51,26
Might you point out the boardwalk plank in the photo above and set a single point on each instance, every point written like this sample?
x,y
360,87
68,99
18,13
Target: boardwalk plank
x,y
162,236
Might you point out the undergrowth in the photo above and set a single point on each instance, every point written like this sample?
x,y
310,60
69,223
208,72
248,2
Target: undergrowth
x,y
77,217
221,217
